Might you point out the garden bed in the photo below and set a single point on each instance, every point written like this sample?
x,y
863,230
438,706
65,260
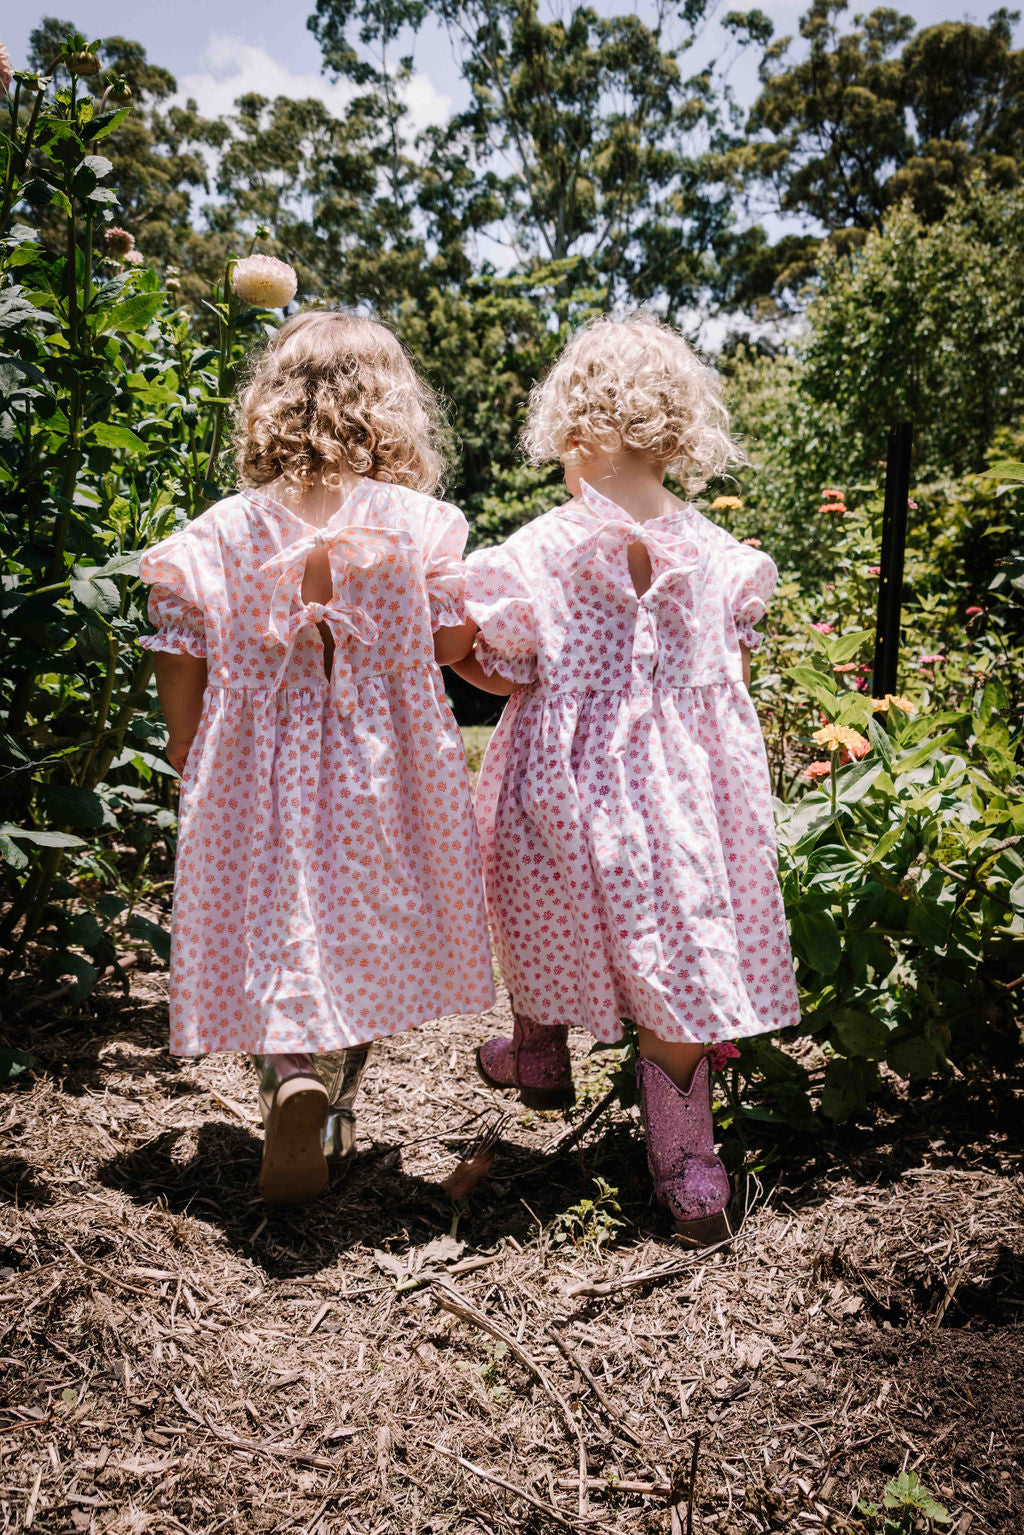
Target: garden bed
x,y
176,1358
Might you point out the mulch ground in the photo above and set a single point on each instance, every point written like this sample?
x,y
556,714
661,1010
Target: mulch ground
x,y
173,1357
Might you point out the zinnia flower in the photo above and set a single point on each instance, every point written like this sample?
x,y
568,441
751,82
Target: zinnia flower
x,y
816,770
718,1054
6,67
824,628
938,659
839,738
847,666
265,281
874,570
836,508
727,504
118,241
755,543
836,495
895,701
974,612
133,258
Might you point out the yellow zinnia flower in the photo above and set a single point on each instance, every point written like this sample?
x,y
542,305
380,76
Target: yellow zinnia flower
x,y
840,737
727,504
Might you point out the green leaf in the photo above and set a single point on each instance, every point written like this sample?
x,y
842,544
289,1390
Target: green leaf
x,y
72,806
908,761
116,437
42,838
845,648
67,964
863,1034
100,597
158,939
11,853
817,940
132,314
880,741
912,1055
848,1080
1006,469
13,1063
821,688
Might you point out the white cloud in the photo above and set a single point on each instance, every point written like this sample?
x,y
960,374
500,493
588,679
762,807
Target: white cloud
x,y
233,68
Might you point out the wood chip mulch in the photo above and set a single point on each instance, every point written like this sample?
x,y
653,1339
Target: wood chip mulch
x,y
174,1357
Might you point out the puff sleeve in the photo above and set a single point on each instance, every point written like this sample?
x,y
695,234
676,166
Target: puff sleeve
x,y
499,601
444,571
175,602
751,578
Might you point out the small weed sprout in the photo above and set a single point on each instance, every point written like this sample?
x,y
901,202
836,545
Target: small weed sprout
x,y
591,1223
491,1371
905,1503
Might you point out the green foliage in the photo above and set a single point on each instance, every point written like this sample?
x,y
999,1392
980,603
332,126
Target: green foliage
x,y
111,413
870,115
591,1223
906,1502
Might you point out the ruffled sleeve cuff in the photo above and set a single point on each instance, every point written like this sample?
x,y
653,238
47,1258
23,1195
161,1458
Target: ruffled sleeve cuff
x,y
179,625
446,592
753,578
752,638
521,669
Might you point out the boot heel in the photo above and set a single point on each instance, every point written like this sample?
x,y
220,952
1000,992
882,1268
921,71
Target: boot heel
x,y
706,1232
547,1098
294,1169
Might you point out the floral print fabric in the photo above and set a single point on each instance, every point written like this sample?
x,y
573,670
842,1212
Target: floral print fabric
x,y
327,887
624,802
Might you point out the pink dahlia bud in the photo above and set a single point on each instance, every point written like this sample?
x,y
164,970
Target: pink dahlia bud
x,y
265,281
824,628
974,612
6,68
118,241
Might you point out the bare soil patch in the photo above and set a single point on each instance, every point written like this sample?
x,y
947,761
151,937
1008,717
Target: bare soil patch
x,y
173,1357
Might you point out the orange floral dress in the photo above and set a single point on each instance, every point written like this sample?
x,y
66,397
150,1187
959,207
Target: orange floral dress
x,y
328,887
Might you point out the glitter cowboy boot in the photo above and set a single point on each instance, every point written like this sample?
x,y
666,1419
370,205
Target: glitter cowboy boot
x,y
689,1180
535,1060
293,1105
340,1072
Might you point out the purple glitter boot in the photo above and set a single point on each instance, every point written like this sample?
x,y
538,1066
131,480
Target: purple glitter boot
x,y
535,1060
689,1180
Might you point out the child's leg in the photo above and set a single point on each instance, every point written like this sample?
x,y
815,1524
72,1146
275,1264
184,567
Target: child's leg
x,y
678,1061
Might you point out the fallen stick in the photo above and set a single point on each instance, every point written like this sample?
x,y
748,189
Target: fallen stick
x,y
569,1139
613,1412
459,1305
646,1276
601,1484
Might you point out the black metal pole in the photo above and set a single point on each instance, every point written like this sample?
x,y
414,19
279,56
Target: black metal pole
x,y
894,543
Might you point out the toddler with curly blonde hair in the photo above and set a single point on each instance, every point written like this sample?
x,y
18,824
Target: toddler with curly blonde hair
x,y
624,802
327,889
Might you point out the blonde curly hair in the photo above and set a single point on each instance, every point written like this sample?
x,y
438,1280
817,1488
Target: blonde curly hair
x,y
333,392
632,385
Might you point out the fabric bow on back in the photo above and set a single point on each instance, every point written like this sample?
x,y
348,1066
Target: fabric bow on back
x,y
675,557
347,547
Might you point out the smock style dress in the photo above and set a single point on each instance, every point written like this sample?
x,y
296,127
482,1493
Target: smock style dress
x,y
327,888
624,803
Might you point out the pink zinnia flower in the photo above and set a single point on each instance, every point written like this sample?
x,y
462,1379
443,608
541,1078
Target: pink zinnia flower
x,y
718,1054
912,505
847,666
938,659
973,612
755,543
874,570
824,628
817,770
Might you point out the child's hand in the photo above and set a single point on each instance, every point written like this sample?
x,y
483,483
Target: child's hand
x,y
176,752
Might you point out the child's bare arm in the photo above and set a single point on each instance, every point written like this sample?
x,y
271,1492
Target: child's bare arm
x,y
745,656
180,685
451,645
472,672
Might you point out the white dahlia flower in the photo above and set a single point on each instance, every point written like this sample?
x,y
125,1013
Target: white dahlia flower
x,y
265,281
6,68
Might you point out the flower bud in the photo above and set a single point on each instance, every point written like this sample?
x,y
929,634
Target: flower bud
x,y
84,62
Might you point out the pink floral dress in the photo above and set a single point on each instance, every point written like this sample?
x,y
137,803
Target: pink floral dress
x,y
327,888
624,803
